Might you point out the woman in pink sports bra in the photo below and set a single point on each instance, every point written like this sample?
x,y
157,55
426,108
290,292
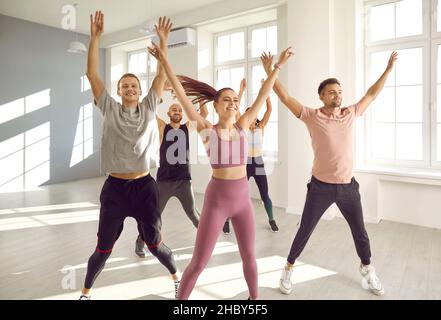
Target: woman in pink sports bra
x,y
227,194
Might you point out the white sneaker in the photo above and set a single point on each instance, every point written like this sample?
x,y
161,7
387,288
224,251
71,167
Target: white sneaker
x,y
370,280
285,284
177,282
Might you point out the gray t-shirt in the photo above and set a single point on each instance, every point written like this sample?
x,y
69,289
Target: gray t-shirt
x,y
130,137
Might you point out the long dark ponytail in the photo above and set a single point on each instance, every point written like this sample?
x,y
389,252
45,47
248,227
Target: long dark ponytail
x,y
202,92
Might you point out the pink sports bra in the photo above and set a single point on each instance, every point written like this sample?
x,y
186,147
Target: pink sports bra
x,y
227,153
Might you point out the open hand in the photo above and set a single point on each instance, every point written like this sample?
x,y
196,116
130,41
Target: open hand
x,y
267,61
96,24
285,55
243,84
156,52
392,59
163,28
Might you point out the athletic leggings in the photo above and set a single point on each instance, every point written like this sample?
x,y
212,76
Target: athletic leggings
x,y
223,199
256,169
128,198
183,191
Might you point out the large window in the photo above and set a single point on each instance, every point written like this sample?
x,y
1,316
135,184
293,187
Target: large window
x,y
403,124
144,67
237,56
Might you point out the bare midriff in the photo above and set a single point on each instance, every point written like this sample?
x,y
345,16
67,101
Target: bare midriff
x,y
232,173
130,176
254,152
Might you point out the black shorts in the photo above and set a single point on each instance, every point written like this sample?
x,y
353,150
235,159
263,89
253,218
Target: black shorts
x,y
136,198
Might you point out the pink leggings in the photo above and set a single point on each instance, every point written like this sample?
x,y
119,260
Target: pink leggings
x,y
223,199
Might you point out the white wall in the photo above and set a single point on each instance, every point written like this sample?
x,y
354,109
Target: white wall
x,y
402,199
40,89
310,32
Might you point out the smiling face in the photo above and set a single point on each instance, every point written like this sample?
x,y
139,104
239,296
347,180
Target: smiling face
x,y
129,90
227,104
331,95
175,113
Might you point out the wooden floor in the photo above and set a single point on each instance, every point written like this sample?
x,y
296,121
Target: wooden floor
x,y
46,237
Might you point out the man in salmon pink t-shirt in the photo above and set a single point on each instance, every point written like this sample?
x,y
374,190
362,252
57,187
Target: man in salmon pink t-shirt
x,y
331,128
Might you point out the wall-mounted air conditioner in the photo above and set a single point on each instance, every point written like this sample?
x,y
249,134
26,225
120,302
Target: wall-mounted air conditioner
x,y
179,37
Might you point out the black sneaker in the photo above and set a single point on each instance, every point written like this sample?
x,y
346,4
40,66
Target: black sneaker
x,y
273,226
226,228
84,297
139,247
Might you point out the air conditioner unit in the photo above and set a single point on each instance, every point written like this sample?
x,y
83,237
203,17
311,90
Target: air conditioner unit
x,y
179,37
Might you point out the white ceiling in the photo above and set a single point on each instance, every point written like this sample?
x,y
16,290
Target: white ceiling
x,y
119,14
240,21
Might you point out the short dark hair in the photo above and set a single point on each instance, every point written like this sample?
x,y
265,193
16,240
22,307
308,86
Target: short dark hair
x,y
326,82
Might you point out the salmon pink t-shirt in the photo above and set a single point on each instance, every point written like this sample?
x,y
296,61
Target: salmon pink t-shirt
x,y
332,136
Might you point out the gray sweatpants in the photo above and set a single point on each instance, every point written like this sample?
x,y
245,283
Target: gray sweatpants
x,y
183,190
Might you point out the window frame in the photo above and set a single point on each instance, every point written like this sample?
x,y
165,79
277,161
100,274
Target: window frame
x,y
250,33
435,163
428,41
425,21
229,32
247,62
147,76
434,17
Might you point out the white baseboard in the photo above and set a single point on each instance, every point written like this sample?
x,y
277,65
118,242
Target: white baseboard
x,y
294,210
371,219
298,211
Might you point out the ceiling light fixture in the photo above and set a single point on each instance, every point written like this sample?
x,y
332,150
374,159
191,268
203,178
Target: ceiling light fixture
x,y
76,46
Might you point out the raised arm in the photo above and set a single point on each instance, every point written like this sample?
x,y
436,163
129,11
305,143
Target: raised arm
x,y
203,111
293,105
187,105
267,115
161,123
376,88
161,127
163,31
243,86
246,119
93,60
